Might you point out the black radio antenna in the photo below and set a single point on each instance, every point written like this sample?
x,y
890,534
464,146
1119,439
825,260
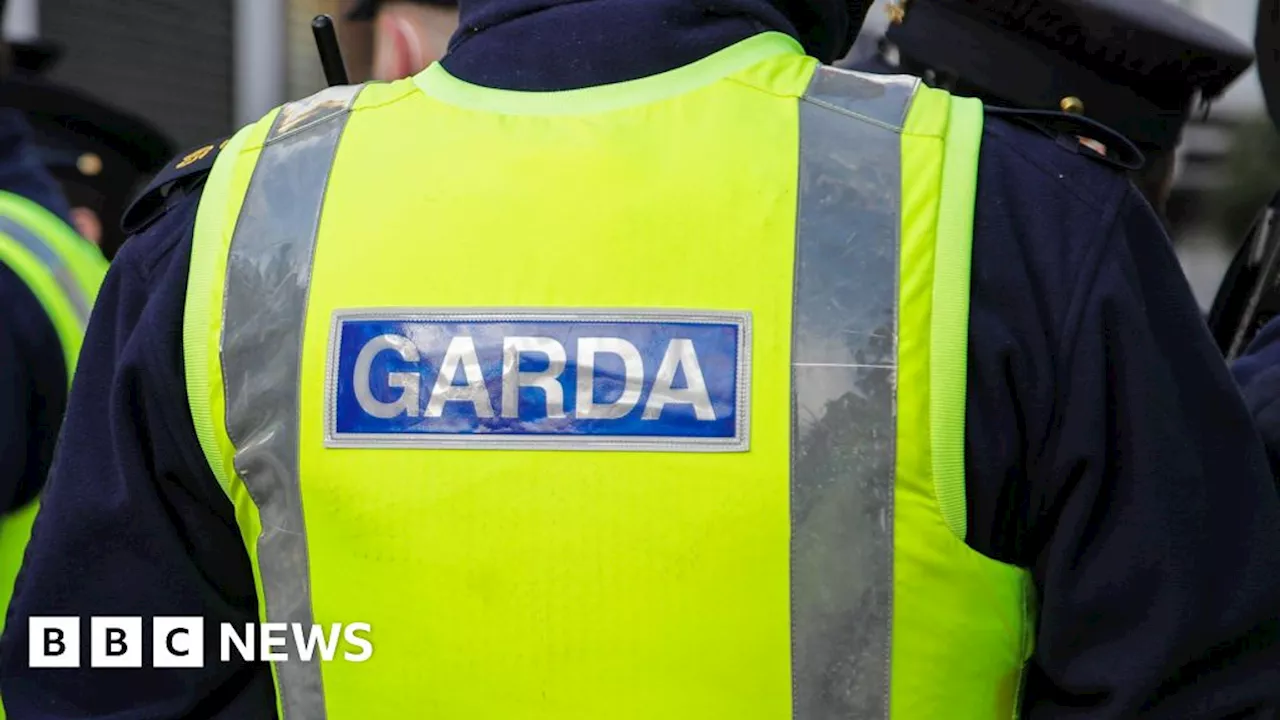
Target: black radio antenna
x,y
335,71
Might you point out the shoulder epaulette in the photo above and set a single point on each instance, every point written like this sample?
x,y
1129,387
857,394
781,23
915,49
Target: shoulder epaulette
x,y
184,171
1071,130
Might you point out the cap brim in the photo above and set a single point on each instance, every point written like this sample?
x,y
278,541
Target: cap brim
x,y
35,56
80,122
1268,47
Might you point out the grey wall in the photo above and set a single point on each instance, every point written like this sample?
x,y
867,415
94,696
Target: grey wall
x,y
167,60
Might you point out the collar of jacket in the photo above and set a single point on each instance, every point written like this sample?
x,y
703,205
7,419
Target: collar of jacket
x,y
547,45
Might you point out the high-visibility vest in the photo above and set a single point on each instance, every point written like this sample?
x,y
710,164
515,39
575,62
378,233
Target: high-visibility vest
x,y
64,272
638,401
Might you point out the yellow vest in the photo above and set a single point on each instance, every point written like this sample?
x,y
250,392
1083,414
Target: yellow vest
x,y
638,401
63,271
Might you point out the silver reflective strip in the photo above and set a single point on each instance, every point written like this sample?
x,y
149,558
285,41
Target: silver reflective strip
x,y
880,99
55,264
265,306
843,394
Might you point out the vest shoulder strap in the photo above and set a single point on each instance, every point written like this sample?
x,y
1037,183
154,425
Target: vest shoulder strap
x,y
60,268
882,100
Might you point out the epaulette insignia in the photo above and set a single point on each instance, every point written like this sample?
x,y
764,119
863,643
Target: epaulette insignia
x,y
1079,134
186,170
195,156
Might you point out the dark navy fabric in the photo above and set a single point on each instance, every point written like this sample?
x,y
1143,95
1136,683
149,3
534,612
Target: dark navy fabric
x,y
1108,448
516,55
1258,373
33,375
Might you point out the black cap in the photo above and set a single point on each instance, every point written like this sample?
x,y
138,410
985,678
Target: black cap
x,y
101,155
1267,43
34,56
1137,66
368,9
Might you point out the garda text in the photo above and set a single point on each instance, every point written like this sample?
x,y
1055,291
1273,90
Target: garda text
x,y
590,380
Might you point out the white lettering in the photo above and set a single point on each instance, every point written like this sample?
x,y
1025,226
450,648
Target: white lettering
x,y
680,354
274,636
547,380
408,382
366,647
462,351
588,348
307,645
244,644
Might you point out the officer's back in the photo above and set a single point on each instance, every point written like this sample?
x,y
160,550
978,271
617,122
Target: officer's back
x,y
667,398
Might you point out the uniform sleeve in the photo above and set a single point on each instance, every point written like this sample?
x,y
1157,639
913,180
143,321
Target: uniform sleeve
x,y
132,522
1151,523
1258,373
15,404
33,392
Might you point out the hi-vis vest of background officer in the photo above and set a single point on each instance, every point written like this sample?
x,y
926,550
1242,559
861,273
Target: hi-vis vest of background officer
x,y
638,401
63,271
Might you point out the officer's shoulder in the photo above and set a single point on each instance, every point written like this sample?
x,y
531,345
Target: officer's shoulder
x,y
182,175
1049,144
1067,131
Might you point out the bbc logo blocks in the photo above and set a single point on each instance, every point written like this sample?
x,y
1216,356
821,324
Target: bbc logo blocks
x,y
114,642
179,642
176,642
54,642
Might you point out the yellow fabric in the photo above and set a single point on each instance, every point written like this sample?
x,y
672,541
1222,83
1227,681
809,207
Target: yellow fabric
x,y
85,263
640,624
954,609
15,532
220,203
437,83
42,283
522,584
87,267
949,345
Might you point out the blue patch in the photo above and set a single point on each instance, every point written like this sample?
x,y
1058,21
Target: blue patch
x,y
585,380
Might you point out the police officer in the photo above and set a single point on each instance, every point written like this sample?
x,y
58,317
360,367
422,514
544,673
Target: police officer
x,y
712,383
1138,67
48,278
101,155
408,35
1244,315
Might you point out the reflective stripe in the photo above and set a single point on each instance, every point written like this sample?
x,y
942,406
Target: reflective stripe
x,y
268,273
844,357
55,264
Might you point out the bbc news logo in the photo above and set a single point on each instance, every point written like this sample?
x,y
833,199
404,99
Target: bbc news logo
x,y
179,642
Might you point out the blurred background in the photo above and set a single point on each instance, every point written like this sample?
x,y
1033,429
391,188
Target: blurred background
x,y
200,68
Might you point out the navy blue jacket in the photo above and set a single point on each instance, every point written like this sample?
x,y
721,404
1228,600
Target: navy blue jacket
x,y
1108,448
33,374
1258,373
